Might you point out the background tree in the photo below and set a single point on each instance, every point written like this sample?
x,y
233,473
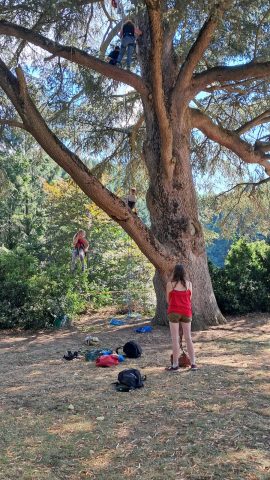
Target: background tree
x,y
203,72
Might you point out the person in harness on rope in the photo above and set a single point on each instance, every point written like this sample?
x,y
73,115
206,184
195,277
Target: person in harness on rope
x,y
118,4
80,249
128,36
113,55
132,199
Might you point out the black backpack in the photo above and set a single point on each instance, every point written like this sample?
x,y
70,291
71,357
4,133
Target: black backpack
x,y
131,349
129,379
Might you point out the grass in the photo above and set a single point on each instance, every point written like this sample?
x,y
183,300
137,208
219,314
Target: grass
x,y
211,424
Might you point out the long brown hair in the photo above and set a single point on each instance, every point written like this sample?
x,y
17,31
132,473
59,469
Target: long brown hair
x,y
179,275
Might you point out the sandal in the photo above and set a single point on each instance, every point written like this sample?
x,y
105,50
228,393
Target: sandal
x,y
171,369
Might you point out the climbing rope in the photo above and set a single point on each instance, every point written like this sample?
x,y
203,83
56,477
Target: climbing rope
x,y
130,275
71,109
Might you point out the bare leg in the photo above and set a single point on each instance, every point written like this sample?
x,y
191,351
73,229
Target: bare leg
x,y
187,336
82,255
174,328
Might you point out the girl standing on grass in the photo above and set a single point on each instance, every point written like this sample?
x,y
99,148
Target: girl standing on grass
x,y
179,294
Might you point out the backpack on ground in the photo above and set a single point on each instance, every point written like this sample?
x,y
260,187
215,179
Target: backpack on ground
x,y
93,354
129,379
107,361
131,349
183,360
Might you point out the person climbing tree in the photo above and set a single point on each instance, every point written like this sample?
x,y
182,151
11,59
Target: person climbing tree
x,y
118,4
80,249
132,199
113,55
128,36
179,293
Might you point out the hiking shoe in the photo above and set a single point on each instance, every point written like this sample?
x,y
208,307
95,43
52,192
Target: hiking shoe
x,y
171,369
68,356
193,367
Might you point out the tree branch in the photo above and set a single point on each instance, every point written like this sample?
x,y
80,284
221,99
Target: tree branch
x,y
245,184
198,48
75,55
166,137
12,123
228,139
224,219
112,33
262,146
223,74
71,163
263,118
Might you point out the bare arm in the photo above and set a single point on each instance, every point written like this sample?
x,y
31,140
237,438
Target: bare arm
x,y
138,32
86,244
190,288
74,241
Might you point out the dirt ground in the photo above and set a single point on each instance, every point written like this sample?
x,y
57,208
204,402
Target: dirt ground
x,y
210,424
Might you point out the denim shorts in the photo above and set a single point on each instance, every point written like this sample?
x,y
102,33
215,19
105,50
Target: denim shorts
x,y
178,317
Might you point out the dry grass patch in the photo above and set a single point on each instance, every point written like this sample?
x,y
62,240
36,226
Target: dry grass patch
x,y
209,424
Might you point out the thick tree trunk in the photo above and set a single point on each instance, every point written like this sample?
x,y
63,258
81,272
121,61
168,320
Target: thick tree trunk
x,y
174,221
160,317
171,197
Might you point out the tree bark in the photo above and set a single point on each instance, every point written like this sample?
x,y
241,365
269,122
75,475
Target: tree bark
x,y
174,222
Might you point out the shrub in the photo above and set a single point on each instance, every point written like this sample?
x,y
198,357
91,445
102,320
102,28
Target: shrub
x,y
243,285
33,298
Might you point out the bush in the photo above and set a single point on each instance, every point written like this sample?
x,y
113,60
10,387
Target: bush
x,y
33,298
243,285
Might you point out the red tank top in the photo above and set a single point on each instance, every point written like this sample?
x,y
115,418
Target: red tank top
x,y
80,243
180,302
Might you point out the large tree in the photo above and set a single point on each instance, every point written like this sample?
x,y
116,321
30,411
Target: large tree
x,y
203,73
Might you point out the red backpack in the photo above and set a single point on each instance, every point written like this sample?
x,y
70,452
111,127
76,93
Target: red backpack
x,y
107,360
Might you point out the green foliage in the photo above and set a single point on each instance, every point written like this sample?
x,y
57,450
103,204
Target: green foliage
x,y
243,285
31,297
38,287
242,212
22,218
